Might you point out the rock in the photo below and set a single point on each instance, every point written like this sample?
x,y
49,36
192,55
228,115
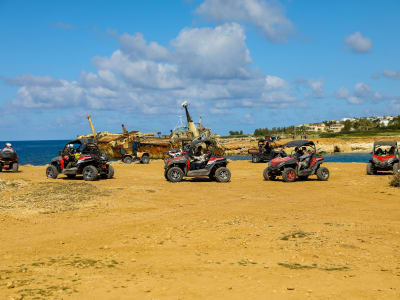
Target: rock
x,y
10,285
290,288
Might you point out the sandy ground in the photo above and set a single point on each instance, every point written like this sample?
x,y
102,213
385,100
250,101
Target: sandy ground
x,y
139,237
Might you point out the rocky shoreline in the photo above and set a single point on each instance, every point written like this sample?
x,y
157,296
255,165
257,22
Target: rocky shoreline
x,y
240,146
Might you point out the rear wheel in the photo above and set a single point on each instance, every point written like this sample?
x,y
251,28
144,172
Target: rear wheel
x,y
222,174
52,172
370,169
175,174
15,167
396,168
127,159
90,173
267,175
110,172
145,159
289,175
323,174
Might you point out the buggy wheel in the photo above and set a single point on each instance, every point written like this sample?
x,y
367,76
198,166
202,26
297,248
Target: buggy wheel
x,y
127,160
15,167
254,159
52,172
267,176
323,174
222,174
289,175
71,176
110,172
396,168
90,173
370,169
145,159
175,174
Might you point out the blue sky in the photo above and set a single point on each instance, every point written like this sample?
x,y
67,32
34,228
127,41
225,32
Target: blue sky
x,y
242,64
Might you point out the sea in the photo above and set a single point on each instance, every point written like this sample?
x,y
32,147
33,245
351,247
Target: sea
x,y
41,152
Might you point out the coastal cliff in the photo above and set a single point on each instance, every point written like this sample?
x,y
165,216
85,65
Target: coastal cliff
x,y
240,146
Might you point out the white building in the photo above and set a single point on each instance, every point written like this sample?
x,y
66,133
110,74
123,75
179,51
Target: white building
x,y
337,127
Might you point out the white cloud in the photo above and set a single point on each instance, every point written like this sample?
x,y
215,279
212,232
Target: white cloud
x,y
210,66
315,87
342,93
361,92
267,16
274,82
362,89
390,74
63,25
137,48
67,94
357,43
219,52
30,80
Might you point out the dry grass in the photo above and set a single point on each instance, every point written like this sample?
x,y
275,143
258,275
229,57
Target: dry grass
x,y
47,197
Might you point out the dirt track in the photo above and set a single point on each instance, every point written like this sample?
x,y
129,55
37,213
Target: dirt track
x,y
140,237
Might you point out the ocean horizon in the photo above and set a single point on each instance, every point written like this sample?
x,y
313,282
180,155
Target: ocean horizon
x,y
40,152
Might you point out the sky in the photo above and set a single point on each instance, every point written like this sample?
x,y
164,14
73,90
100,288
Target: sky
x,y
241,64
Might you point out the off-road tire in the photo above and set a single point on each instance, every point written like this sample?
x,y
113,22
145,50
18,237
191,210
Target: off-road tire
x,y
254,159
145,159
71,176
175,174
222,174
15,167
370,169
323,174
127,160
267,176
110,172
51,172
289,175
90,173
396,168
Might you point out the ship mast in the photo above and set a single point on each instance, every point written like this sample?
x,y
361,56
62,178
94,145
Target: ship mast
x,y
190,124
91,126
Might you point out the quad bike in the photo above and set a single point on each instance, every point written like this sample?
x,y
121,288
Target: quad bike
x,y
265,151
183,165
9,160
385,157
292,167
89,162
128,158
